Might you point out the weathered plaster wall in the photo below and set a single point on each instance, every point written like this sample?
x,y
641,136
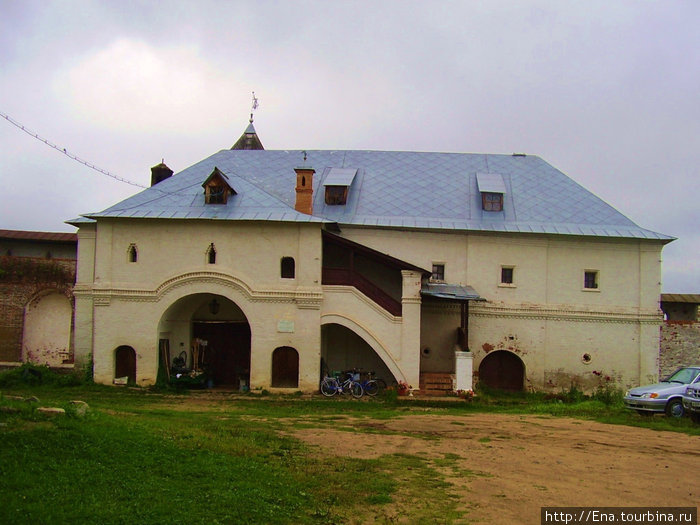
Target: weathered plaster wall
x,y
24,283
130,303
680,345
546,317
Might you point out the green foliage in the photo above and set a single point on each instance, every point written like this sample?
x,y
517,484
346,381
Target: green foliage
x,y
30,374
28,269
609,395
390,395
573,395
88,373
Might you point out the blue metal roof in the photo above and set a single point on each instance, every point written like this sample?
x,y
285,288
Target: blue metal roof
x,y
490,183
397,189
339,177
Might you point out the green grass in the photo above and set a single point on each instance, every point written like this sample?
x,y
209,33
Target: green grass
x,y
164,457
144,458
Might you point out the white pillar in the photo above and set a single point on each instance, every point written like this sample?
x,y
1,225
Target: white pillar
x,y
464,366
409,360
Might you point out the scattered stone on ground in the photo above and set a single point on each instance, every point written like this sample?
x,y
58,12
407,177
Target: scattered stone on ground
x,y
52,411
80,408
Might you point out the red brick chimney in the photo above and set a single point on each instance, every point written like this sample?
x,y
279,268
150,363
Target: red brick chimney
x,y
304,189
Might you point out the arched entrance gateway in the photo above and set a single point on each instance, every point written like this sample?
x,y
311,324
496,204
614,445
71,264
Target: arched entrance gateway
x,y
502,370
211,333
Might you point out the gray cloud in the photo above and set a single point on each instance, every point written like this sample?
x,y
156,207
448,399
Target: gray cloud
x,y
606,92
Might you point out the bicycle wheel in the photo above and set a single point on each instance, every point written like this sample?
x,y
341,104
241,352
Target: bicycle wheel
x,y
356,390
371,387
329,387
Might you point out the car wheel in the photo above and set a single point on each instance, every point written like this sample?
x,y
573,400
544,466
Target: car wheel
x,y
674,408
695,416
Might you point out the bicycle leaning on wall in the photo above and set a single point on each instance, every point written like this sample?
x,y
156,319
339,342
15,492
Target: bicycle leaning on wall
x,y
332,385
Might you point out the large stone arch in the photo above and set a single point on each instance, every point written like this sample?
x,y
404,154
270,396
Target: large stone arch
x,y
368,338
211,331
205,282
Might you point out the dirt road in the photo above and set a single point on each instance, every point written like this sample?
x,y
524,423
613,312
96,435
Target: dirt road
x,y
519,464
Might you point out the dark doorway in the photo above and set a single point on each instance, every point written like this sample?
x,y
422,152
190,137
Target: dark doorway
x,y
226,357
125,363
503,370
285,367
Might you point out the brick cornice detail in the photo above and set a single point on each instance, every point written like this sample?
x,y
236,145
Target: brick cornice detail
x,y
305,299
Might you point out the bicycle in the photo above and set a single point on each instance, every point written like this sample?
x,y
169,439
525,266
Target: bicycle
x,y
371,385
331,385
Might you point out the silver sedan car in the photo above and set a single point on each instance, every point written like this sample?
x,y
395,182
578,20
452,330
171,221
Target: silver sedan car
x,y
691,402
664,397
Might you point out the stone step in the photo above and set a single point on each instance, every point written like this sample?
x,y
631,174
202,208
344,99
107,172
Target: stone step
x,y
435,384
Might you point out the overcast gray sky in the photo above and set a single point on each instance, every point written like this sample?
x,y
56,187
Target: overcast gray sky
x,y
606,91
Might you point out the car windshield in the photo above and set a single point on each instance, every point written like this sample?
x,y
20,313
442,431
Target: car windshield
x,y
683,375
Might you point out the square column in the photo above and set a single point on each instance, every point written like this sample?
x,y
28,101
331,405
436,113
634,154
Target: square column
x,y
464,368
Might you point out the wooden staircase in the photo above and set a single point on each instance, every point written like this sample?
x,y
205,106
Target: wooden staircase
x,y
435,384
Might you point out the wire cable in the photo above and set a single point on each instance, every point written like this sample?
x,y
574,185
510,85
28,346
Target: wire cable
x,y
68,154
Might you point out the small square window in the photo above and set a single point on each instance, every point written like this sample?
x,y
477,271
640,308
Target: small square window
x,y
491,201
336,195
507,274
590,280
438,272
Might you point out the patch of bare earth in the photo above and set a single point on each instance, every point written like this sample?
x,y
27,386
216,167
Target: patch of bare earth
x,y
513,465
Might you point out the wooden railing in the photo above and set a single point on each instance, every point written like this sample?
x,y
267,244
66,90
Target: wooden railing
x,y
347,277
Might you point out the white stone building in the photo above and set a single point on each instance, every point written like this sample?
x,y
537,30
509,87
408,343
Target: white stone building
x,y
285,262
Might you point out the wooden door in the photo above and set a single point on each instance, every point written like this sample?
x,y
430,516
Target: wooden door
x,y
227,355
503,370
125,363
285,367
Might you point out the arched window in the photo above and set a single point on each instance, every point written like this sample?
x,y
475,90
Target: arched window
x,y
285,367
211,254
287,268
133,253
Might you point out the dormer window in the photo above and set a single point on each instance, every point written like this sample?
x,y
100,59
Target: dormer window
x,y
216,188
491,201
337,185
336,195
492,189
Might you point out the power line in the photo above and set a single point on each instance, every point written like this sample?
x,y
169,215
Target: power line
x,y
68,154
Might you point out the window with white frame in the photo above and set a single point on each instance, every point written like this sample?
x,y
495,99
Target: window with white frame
x,y
507,275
